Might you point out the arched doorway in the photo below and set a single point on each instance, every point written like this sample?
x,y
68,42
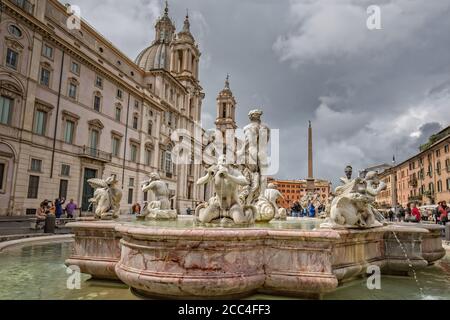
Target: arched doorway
x,y
7,168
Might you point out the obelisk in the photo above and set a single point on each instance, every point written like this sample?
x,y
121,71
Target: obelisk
x,y
310,180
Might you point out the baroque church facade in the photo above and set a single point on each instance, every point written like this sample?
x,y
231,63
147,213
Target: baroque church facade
x,y
74,107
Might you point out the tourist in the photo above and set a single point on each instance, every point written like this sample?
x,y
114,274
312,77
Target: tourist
x,y
296,209
189,211
400,213
312,211
71,207
58,207
391,215
415,214
443,213
136,209
408,212
41,215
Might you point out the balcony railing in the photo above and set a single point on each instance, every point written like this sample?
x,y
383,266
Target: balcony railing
x,y
25,5
96,154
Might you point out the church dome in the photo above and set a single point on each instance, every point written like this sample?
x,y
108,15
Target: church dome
x,y
154,57
157,56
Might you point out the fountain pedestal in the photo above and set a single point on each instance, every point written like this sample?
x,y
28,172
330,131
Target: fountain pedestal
x,y
218,263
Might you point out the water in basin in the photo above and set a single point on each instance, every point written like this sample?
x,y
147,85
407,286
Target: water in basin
x,y
38,272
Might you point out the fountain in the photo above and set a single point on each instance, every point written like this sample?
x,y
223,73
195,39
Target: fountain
x,y
224,251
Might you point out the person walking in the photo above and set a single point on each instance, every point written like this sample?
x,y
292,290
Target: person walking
x,y
71,207
59,207
415,214
391,215
408,212
443,213
312,211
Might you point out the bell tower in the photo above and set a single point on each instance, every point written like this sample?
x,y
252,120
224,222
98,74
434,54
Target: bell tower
x,y
226,108
185,54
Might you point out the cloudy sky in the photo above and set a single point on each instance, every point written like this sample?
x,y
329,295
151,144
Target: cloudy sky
x,y
369,93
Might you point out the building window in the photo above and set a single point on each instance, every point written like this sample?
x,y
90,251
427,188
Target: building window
x,y
131,182
168,166
97,103
33,187
69,131
6,105
446,148
75,68
119,93
63,186
47,51
40,122
136,104
438,152
65,170
15,31
93,140
45,77
148,157
135,122
438,167
73,90
439,186
431,187
36,165
130,196
115,146
133,153
118,114
448,184
12,58
2,176
99,82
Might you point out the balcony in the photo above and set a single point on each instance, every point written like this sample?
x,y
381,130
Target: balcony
x,y
25,5
95,154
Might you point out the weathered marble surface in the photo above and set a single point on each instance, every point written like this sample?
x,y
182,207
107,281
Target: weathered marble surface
x,y
232,263
96,249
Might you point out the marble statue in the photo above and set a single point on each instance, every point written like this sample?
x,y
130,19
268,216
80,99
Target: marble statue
x,y
353,205
106,198
225,206
254,152
159,209
311,197
267,206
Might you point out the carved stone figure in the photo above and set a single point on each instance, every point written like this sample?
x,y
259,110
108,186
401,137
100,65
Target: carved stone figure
x,y
267,205
253,156
311,197
353,205
106,198
159,209
224,207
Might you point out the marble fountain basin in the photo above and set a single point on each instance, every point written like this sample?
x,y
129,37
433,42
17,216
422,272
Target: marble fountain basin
x,y
175,260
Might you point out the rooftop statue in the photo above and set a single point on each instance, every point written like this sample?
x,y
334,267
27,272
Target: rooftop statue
x,y
224,207
353,205
106,198
159,209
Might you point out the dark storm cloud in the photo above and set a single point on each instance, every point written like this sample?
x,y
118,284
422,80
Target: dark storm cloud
x,y
370,94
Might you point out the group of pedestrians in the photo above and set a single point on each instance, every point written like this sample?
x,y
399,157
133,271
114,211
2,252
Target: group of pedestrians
x,y
308,211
